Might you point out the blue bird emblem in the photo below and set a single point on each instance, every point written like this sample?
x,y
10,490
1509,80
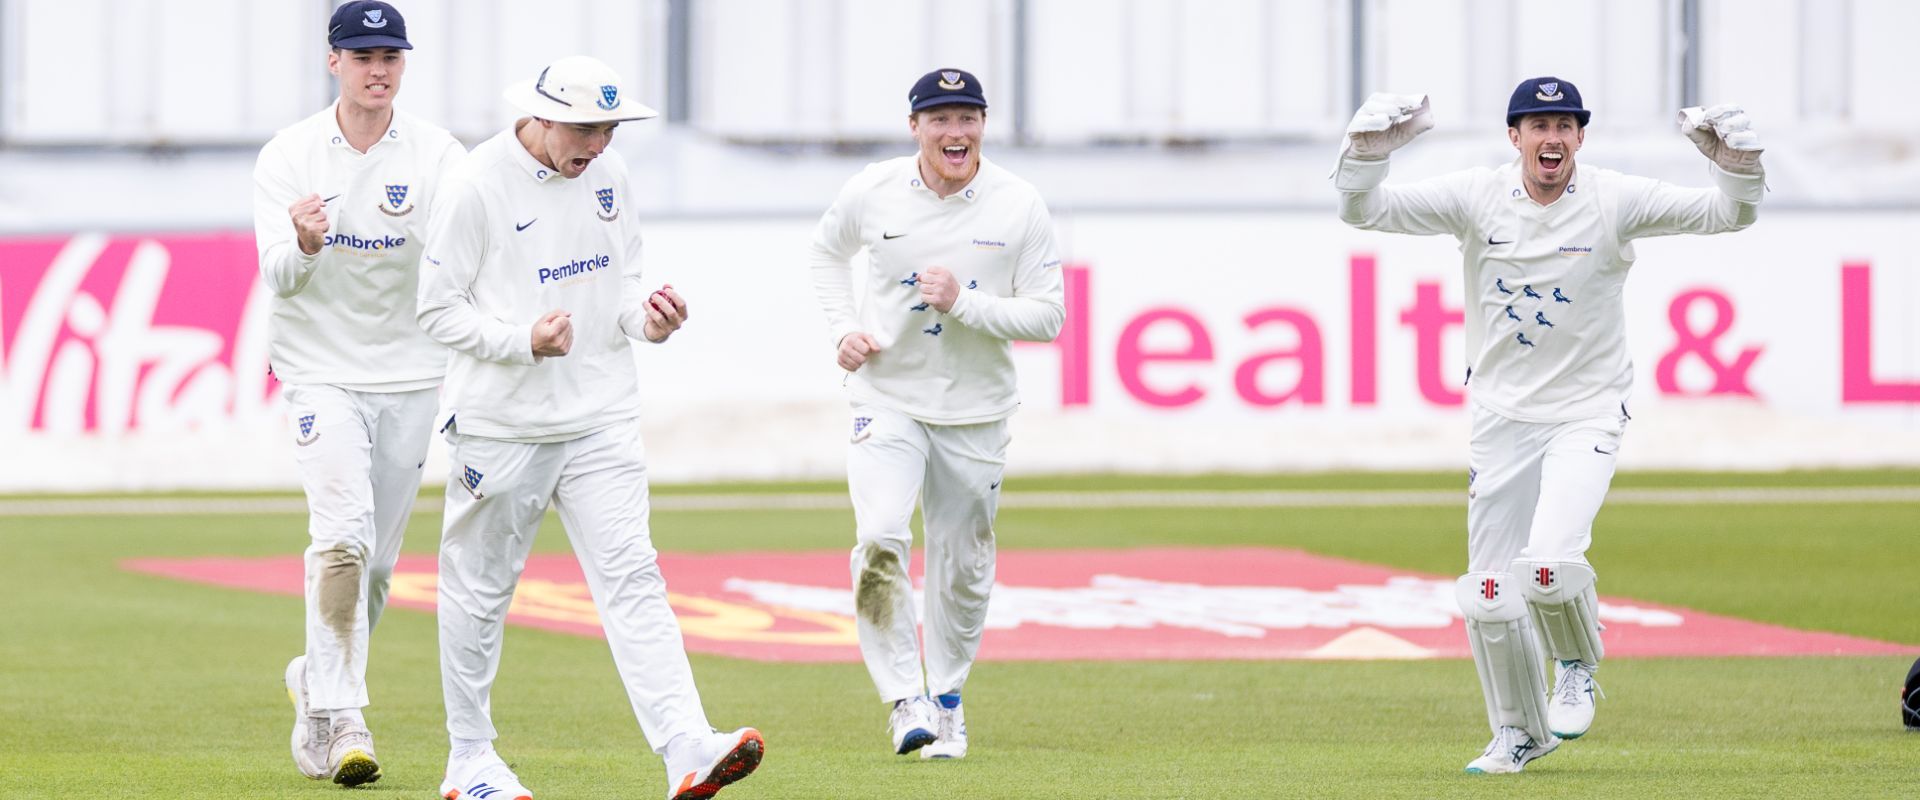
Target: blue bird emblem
x,y
1522,338
911,280
1541,317
973,284
1528,291
933,331
921,307
1501,284
1511,315
1558,297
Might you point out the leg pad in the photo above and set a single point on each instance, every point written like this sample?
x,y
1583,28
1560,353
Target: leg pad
x,y
1506,652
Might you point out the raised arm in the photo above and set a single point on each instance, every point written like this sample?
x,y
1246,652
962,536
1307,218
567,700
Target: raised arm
x,y
1652,208
1384,124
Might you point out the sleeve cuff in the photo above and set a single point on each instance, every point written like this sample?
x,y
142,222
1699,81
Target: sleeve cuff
x,y
1744,188
964,305
524,353
1357,175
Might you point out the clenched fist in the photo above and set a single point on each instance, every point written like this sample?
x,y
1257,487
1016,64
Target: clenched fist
x,y
310,224
855,349
553,334
939,289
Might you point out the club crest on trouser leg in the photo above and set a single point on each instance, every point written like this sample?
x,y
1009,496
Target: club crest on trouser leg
x,y
307,435
470,479
861,429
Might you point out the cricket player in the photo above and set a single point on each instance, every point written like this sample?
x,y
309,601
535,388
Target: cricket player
x,y
532,276
1546,246
340,204
960,263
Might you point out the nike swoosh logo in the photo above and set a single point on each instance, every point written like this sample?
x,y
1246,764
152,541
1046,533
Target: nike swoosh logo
x,y
523,226
1492,242
891,235
1596,448
330,199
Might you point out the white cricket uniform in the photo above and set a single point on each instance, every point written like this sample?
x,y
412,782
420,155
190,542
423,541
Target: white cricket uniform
x,y
360,375
1546,329
512,241
930,409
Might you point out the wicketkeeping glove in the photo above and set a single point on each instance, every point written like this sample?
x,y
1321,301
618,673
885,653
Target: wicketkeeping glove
x,y
1721,133
1386,122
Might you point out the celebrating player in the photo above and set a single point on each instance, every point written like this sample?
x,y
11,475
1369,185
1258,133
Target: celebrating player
x,y
340,202
961,262
532,276
1546,247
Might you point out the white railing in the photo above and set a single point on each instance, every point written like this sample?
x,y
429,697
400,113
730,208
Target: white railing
x,y
1059,72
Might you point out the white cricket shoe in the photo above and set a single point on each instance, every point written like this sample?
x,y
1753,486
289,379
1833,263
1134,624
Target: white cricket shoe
x,y
1509,752
482,776
951,722
717,760
912,725
1570,706
350,756
311,734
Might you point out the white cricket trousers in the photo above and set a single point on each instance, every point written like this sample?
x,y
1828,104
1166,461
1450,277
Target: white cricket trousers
x,y
1534,488
955,472
360,455
497,496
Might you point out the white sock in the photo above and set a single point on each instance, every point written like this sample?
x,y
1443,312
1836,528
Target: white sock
x,y
353,715
468,748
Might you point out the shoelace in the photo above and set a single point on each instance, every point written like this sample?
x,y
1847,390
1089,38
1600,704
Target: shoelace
x,y
1568,692
949,724
1504,742
319,731
496,774
901,715
352,738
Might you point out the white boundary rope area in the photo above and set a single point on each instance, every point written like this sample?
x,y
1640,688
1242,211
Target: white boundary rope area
x,y
824,501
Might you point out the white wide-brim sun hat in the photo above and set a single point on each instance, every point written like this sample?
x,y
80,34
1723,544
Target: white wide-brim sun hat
x,y
578,89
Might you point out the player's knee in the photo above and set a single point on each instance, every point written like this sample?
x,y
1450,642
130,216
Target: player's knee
x,y
1489,597
379,577
879,581
340,570
1560,596
1553,581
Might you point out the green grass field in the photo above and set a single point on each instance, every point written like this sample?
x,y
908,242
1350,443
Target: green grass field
x,y
115,684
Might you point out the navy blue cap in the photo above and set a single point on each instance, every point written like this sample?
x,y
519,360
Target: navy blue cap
x,y
366,25
1547,95
945,87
